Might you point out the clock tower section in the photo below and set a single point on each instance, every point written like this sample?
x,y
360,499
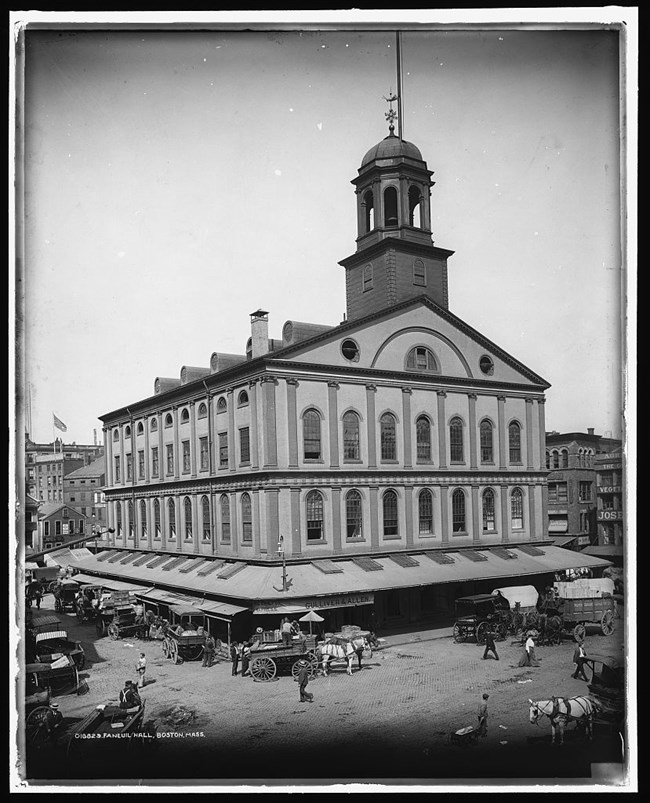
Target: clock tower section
x,y
395,258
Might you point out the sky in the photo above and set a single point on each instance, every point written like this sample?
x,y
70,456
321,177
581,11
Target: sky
x,y
177,180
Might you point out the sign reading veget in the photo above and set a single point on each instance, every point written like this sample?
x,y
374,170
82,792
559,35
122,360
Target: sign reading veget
x,y
318,603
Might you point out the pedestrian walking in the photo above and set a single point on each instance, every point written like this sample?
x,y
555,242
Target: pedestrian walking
x,y
579,656
528,657
234,656
245,658
359,652
285,632
303,679
141,668
482,714
490,645
208,651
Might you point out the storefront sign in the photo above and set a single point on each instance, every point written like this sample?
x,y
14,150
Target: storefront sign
x,y
609,515
315,603
583,540
610,489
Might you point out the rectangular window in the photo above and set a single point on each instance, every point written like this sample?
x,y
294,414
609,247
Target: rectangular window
x,y
57,527
585,492
203,453
154,462
46,530
562,492
129,467
223,450
244,445
81,526
186,457
419,273
141,465
170,458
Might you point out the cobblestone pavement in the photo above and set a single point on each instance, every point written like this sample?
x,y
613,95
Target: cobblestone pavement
x,y
392,719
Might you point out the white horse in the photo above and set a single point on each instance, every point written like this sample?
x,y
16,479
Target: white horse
x,y
561,710
341,649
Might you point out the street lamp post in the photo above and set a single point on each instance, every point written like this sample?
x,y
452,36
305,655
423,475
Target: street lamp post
x,y
284,564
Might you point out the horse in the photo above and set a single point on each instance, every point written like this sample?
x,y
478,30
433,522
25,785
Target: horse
x,y
561,710
344,649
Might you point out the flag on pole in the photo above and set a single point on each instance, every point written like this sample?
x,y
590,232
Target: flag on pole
x,y
59,424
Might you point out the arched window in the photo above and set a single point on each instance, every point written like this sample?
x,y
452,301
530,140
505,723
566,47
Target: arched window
x,y
425,512
421,359
311,435
185,415
116,434
118,519
390,207
143,519
246,519
423,439
456,440
242,400
419,273
564,459
206,529
489,521
221,405
351,441
156,519
169,421
458,511
556,459
487,450
514,442
387,436
224,505
353,515
171,516
415,213
153,426
314,509
367,278
131,514
369,212
140,428
389,506
127,431
517,509
203,410
187,513
548,460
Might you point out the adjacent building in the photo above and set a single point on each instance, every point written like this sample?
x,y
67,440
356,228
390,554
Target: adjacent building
x,y
58,524
610,519
572,484
46,464
374,470
83,489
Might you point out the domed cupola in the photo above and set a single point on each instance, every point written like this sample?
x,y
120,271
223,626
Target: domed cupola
x,y
395,257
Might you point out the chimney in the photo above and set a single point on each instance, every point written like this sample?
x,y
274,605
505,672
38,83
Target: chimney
x,y
94,437
590,430
259,333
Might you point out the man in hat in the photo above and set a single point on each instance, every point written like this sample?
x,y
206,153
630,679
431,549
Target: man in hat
x,y
579,656
53,720
129,697
234,656
303,680
483,716
208,651
490,645
141,668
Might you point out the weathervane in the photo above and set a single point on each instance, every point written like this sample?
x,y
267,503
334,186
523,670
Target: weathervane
x,y
391,114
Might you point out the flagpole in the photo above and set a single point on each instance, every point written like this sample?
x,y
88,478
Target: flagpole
x,y
400,126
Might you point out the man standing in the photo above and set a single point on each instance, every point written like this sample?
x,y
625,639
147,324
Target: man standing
x,y
234,657
483,716
579,656
303,680
129,697
285,632
53,720
208,651
490,645
141,668
245,658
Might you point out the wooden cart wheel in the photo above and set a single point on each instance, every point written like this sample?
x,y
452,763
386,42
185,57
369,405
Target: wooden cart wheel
x,y
100,626
312,659
579,632
165,647
113,632
607,623
36,728
81,662
173,652
264,668
481,631
459,634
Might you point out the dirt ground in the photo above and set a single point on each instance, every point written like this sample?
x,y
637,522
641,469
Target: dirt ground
x,y
391,721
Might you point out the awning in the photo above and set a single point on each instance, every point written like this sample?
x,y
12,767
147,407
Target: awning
x,y
526,596
185,610
564,540
67,557
221,610
315,588
558,526
51,634
604,551
29,566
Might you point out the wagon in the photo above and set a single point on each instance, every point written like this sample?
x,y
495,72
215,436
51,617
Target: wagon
x,y
106,723
182,641
576,613
65,595
270,657
50,645
56,677
477,614
125,622
523,613
607,688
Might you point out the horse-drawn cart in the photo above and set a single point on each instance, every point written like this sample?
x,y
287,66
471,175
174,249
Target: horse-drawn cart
x,y
477,614
50,645
182,639
107,722
607,689
582,603
65,595
56,677
270,657
116,616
